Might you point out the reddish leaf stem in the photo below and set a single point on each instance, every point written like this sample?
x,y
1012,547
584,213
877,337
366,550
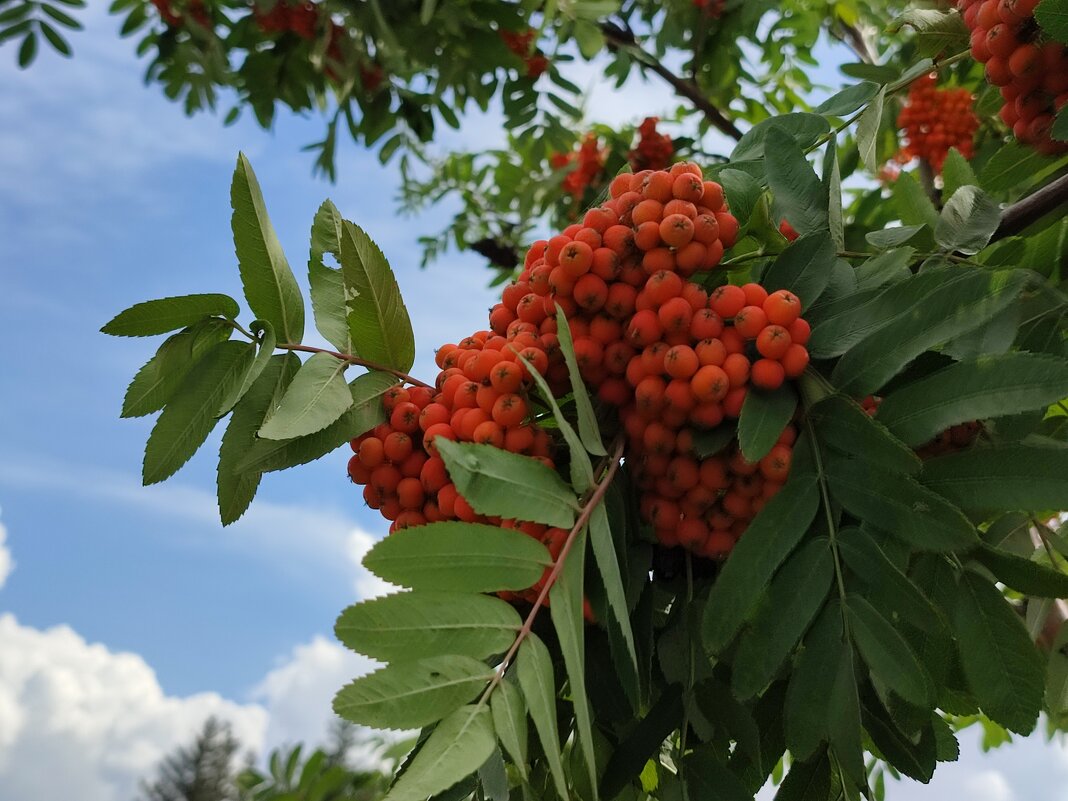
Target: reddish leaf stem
x,y
594,498
345,357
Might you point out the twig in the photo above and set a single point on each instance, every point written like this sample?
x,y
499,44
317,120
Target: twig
x,y
595,497
1021,214
346,357
618,39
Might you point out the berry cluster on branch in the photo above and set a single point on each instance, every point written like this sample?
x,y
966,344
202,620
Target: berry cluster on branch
x,y
653,150
521,43
935,120
589,164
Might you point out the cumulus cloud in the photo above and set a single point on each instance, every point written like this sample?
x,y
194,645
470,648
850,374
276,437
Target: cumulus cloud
x,y
988,785
80,721
7,564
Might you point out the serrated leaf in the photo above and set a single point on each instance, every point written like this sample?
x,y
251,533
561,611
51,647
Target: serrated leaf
x,y
742,191
848,100
364,414
263,355
604,554
804,267
800,586
421,623
887,653
915,756
968,220
1005,169
805,128
899,505
1052,16
912,203
496,482
763,418
990,386
1002,667
1009,478
458,746
270,287
190,415
770,538
894,236
510,722
936,30
466,557
317,397
327,283
566,601
956,173
169,314
793,183
832,187
534,668
237,488
886,268
1023,575
157,380
379,326
960,304
587,420
868,131
807,781
493,778
407,695
844,426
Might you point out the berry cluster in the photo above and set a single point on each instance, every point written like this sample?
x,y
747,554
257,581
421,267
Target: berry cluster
x,y
301,18
1032,74
171,12
934,120
522,44
671,359
654,150
589,160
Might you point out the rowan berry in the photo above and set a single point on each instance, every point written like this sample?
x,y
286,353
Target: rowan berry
x,y
750,321
727,300
767,374
782,307
773,342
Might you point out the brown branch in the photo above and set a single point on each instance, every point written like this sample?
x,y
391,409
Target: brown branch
x,y
1020,215
1058,612
591,503
345,357
618,39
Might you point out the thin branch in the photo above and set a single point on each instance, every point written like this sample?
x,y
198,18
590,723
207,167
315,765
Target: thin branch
x,y
619,39
1021,214
595,497
345,357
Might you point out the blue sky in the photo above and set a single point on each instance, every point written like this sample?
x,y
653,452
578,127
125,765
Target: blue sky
x,y
131,609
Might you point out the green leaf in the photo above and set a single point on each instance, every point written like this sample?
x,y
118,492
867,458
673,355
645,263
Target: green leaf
x,y
237,488
589,38
587,420
878,73
804,267
956,172
848,100
496,482
807,781
1009,478
899,505
912,203
822,705
1009,165
27,50
796,189
407,695
990,386
763,418
868,131
493,777
510,721
534,669
1059,131
963,302
566,599
1023,575
364,414
270,288
886,268
421,623
888,654
457,747
1002,667
708,778
936,30
169,314
379,326
967,222
156,381
805,128
742,191
887,587
894,236
712,441
317,397
59,44
801,587
1052,16
915,756
263,355
191,413
465,557
604,554
832,186
327,283
844,426
770,538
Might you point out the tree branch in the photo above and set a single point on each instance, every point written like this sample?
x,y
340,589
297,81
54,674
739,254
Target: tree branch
x,y
1023,213
345,357
619,39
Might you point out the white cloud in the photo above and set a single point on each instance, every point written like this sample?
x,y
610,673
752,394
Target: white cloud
x,y
7,564
80,721
987,785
